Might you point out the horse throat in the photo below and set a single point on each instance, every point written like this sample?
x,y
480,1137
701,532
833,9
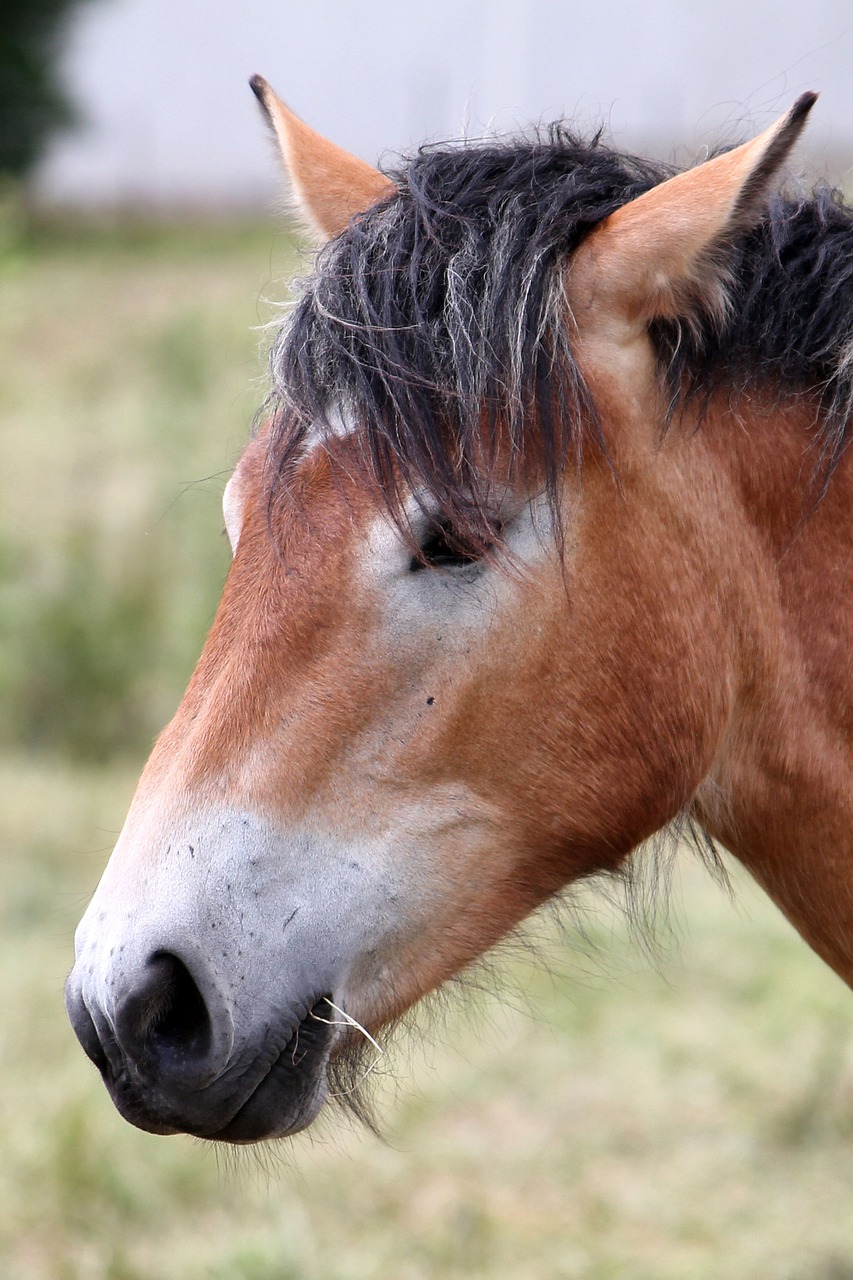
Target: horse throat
x,y
781,797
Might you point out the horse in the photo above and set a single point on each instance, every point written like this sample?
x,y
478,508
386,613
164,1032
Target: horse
x,y
542,543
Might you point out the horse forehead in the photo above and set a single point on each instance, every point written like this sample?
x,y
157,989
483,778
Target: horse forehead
x,y
310,520
258,472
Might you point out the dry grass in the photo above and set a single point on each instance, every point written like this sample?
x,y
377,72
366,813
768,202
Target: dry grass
x,y
594,1117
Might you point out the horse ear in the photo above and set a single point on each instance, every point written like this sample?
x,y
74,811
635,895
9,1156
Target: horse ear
x,y
663,254
329,185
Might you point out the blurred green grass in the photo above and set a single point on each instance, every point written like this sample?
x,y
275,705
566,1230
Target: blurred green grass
x,y
130,376
590,1115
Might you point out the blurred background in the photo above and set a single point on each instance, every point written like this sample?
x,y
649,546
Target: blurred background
x,y
600,1108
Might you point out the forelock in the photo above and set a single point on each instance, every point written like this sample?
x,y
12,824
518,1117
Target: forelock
x,y
437,322
438,319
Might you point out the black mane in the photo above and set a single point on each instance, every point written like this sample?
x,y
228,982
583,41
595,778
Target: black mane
x,y
443,307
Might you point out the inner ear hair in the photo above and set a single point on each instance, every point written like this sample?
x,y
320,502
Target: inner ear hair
x,y
666,253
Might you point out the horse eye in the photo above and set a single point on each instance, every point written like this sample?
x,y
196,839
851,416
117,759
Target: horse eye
x,y
443,548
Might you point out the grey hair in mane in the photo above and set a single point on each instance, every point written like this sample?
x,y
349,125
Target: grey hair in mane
x,y
438,320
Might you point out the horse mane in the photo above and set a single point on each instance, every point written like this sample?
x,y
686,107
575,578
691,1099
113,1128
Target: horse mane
x,y
441,311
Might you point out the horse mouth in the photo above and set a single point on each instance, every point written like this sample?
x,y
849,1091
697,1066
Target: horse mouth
x,y
287,1098
294,1089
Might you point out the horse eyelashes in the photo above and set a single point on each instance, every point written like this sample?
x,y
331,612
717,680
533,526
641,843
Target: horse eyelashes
x,y
445,548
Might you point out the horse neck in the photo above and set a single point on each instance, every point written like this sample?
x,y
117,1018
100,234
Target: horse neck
x,y
781,795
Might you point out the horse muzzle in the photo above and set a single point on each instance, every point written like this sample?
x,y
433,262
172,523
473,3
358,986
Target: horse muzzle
x,y
208,958
169,1057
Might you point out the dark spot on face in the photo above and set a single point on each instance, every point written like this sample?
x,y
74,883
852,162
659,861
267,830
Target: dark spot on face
x,y
430,701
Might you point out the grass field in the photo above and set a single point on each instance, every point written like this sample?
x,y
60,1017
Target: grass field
x,y
593,1114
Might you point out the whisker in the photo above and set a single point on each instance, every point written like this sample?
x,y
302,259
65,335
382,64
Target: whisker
x,y
347,1020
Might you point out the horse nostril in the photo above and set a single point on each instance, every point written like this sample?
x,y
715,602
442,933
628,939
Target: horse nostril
x,y
182,1020
164,1023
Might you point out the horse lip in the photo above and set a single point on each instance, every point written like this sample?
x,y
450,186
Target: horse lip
x,y
302,1062
286,1098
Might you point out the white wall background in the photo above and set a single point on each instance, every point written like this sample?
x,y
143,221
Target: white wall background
x,y
169,118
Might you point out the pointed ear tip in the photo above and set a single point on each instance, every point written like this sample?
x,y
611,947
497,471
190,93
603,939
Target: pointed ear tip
x,y
784,133
802,107
259,87
270,103
788,128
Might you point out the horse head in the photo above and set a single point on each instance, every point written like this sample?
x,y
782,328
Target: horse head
x,y
476,639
